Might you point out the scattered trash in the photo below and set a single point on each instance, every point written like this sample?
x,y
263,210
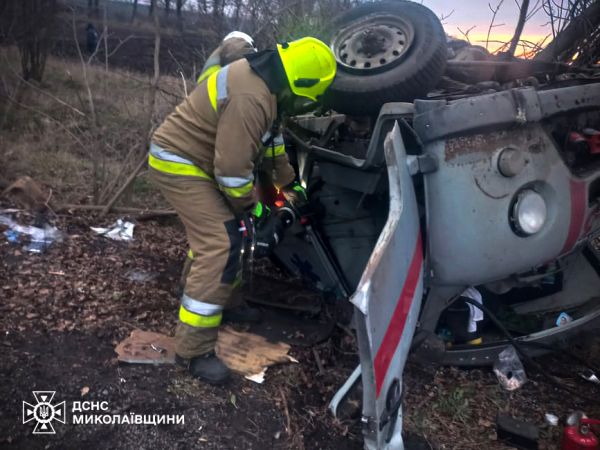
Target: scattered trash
x,y
12,236
517,433
60,272
509,369
118,231
578,433
590,376
551,419
575,417
140,276
475,314
39,238
245,353
563,319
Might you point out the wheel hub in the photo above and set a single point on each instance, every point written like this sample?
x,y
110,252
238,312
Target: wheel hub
x,y
373,44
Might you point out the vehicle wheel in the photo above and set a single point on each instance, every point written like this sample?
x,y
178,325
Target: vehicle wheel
x,y
386,52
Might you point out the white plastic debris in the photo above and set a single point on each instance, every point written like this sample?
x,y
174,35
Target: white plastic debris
x,y
140,275
118,231
475,314
563,319
551,419
509,369
590,376
39,238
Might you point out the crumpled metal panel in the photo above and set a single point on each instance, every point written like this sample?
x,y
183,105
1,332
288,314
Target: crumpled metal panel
x,y
438,119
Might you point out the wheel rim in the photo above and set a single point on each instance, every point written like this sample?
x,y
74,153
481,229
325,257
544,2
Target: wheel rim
x,y
373,44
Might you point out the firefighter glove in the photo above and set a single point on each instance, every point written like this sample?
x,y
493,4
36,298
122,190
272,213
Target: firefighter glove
x,y
296,196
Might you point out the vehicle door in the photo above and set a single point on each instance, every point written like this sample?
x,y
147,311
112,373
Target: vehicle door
x,y
387,301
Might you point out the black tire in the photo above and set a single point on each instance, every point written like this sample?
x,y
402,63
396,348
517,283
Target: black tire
x,y
414,74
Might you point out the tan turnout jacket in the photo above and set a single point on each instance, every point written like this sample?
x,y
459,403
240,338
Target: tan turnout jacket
x,y
221,126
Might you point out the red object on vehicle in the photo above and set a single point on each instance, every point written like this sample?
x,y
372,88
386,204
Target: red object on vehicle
x,y
588,140
593,139
580,436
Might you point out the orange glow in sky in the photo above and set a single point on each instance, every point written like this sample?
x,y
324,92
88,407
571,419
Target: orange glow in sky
x,y
476,15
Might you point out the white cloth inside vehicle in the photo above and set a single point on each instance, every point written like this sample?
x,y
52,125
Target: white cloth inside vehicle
x,y
475,314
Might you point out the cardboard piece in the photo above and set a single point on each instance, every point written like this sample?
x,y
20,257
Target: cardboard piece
x,y
245,353
146,347
250,354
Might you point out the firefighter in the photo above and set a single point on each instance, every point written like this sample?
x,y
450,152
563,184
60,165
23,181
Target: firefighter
x,y
205,158
234,46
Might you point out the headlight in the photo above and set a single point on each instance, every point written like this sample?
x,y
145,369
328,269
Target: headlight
x,y
529,212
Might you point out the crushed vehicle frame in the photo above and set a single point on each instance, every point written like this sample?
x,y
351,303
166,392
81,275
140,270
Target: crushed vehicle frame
x,y
416,207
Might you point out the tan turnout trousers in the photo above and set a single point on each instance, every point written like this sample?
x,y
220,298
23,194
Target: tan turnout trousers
x,y
214,237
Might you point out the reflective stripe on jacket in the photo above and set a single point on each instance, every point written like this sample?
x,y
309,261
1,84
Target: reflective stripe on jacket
x,y
220,127
209,71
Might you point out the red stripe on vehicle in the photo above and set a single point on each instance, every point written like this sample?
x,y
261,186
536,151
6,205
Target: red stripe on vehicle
x,y
390,341
577,189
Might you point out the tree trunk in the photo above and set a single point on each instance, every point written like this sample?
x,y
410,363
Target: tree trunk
x,y
578,29
519,29
167,7
134,11
35,24
178,6
152,6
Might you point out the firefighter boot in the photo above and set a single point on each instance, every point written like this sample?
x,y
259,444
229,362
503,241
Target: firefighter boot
x,y
208,368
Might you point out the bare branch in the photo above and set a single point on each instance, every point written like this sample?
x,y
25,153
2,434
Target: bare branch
x,y
445,17
494,13
153,89
466,33
120,44
84,67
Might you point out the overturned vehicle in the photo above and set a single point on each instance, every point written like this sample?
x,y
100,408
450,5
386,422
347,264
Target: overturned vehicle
x,y
482,191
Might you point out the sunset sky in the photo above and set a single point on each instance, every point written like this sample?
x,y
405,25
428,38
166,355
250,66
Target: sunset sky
x,y
477,12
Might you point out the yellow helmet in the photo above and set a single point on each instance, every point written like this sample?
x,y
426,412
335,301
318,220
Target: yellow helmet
x,y
309,65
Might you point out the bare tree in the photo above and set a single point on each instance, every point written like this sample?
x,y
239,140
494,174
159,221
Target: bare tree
x,y
575,26
134,10
34,26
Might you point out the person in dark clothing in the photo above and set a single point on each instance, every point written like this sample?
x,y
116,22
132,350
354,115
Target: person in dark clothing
x,y
91,38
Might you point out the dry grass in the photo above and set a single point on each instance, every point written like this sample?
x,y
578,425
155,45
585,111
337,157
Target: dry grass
x,y
47,131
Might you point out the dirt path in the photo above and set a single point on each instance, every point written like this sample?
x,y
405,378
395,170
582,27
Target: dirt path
x,y
62,312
